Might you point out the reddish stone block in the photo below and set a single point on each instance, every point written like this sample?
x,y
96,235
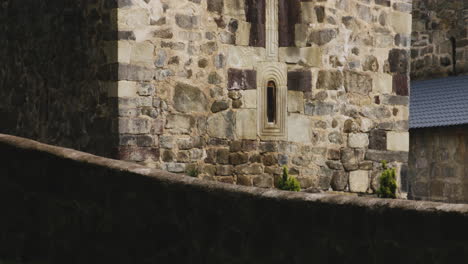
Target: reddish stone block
x,y
400,84
300,81
242,79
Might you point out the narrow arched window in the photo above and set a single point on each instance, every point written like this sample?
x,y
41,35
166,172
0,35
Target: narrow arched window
x,y
454,55
271,102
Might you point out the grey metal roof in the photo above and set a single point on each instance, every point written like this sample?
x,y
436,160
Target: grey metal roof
x,y
439,102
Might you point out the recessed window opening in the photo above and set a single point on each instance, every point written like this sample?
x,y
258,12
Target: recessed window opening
x,y
271,102
454,55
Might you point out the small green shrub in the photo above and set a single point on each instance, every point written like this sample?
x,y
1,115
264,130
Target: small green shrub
x,y
388,183
193,172
288,183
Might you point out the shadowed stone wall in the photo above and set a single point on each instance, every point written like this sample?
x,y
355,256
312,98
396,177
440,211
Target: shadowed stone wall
x,y
439,39
439,164
189,80
71,207
51,52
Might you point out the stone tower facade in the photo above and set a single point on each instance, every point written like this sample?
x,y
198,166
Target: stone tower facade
x,y
235,89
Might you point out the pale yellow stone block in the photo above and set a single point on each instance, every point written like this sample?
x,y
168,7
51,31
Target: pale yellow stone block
x,y
312,56
302,33
359,181
295,102
142,53
124,51
383,83
299,128
249,98
244,57
398,141
122,89
246,124
401,22
243,34
289,54
131,18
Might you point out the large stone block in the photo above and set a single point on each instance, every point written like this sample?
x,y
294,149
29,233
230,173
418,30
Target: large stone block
x,y
244,57
329,80
378,139
216,6
180,123
290,54
242,79
300,81
246,124
249,99
398,141
358,140
401,22
295,102
400,84
142,53
395,100
319,108
301,32
122,89
322,37
399,61
359,181
311,56
358,83
188,98
300,128
187,21
221,125
339,180
383,83
135,125
390,156
243,34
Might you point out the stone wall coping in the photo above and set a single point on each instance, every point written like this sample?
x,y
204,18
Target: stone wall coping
x,y
229,189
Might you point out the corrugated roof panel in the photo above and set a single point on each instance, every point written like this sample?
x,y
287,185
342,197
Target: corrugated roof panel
x,y
439,102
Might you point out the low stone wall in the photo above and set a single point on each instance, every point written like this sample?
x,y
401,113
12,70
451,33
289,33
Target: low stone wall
x,y
438,165
63,206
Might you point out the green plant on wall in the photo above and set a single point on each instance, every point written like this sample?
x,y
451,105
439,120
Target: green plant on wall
x,y
388,183
288,183
193,172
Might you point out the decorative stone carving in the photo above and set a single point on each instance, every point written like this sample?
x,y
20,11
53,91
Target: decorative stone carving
x,y
272,30
276,72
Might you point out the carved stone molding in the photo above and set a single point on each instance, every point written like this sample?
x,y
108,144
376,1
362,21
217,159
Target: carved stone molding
x,y
272,30
276,72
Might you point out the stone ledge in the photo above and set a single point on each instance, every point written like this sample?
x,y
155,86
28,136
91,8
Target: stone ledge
x,y
254,193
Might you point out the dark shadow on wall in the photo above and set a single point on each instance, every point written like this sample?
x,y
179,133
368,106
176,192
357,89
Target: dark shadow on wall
x,y
51,52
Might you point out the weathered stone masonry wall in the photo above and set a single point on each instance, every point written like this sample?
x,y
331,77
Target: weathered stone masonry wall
x,y
51,52
188,88
438,27
439,164
71,207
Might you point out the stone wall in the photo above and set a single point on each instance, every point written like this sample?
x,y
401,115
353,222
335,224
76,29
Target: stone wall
x,y
51,53
439,39
71,207
439,164
189,80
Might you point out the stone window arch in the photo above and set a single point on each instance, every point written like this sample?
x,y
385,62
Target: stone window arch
x,y
272,100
